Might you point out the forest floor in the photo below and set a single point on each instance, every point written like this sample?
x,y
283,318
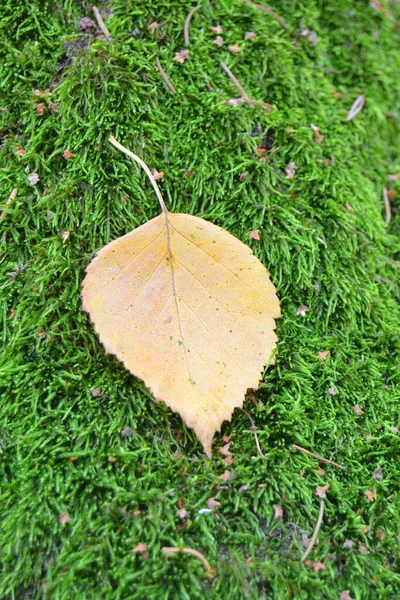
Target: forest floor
x,y
91,467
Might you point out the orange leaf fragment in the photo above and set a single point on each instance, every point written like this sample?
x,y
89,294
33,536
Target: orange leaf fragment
x,y
370,495
321,490
188,309
323,355
158,174
68,154
141,549
234,48
254,235
181,56
219,41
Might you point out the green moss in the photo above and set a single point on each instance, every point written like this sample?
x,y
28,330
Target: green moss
x,y
61,447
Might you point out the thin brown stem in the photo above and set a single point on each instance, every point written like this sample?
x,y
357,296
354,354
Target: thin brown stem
x,y
321,458
146,169
316,530
269,11
174,550
244,96
234,80
388,212
164,76
254,429
101,23
10,199
187,23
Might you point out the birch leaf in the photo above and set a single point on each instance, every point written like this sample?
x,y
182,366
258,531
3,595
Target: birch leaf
x,y
188,309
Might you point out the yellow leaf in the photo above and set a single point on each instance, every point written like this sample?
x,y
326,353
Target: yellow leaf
x,y
188,309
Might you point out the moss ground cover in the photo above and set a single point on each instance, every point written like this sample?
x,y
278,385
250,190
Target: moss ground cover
x,y
90,465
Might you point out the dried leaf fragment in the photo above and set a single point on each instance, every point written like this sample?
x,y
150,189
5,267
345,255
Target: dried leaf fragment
x,y
358,410
345,595
33,179
356,107
164,295
64,236
302,310
141,549
182,513
332,390
321,490
67,154
278,511
324,355
234,48
318,137
213,503
254,235
158,174
250,35
348,544
243,176
153,27
218,29
370,495
219,41
64,518
40,108
226,475
290,170
181,56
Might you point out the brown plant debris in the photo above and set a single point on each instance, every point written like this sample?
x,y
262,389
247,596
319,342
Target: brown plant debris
x,y
169,551
164,76
101,23
244,96
187,23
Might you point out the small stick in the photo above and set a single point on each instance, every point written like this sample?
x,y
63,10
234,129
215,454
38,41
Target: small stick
x,y
316,530
386,202
146,169
254,429
321,458
11,197
196,553
164,76
244,94
101,23
269,11
187,23
235,81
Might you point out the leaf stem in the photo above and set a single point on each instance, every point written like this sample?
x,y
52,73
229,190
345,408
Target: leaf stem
x,y
146,169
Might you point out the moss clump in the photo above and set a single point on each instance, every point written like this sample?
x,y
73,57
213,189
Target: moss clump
x,y
118,463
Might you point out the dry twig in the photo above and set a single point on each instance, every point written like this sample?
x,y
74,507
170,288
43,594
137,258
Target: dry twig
x,y
254,429
316,530
187,23
101,23
388,212
196,553
11,198
245,98
164,76
269,11
321,458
